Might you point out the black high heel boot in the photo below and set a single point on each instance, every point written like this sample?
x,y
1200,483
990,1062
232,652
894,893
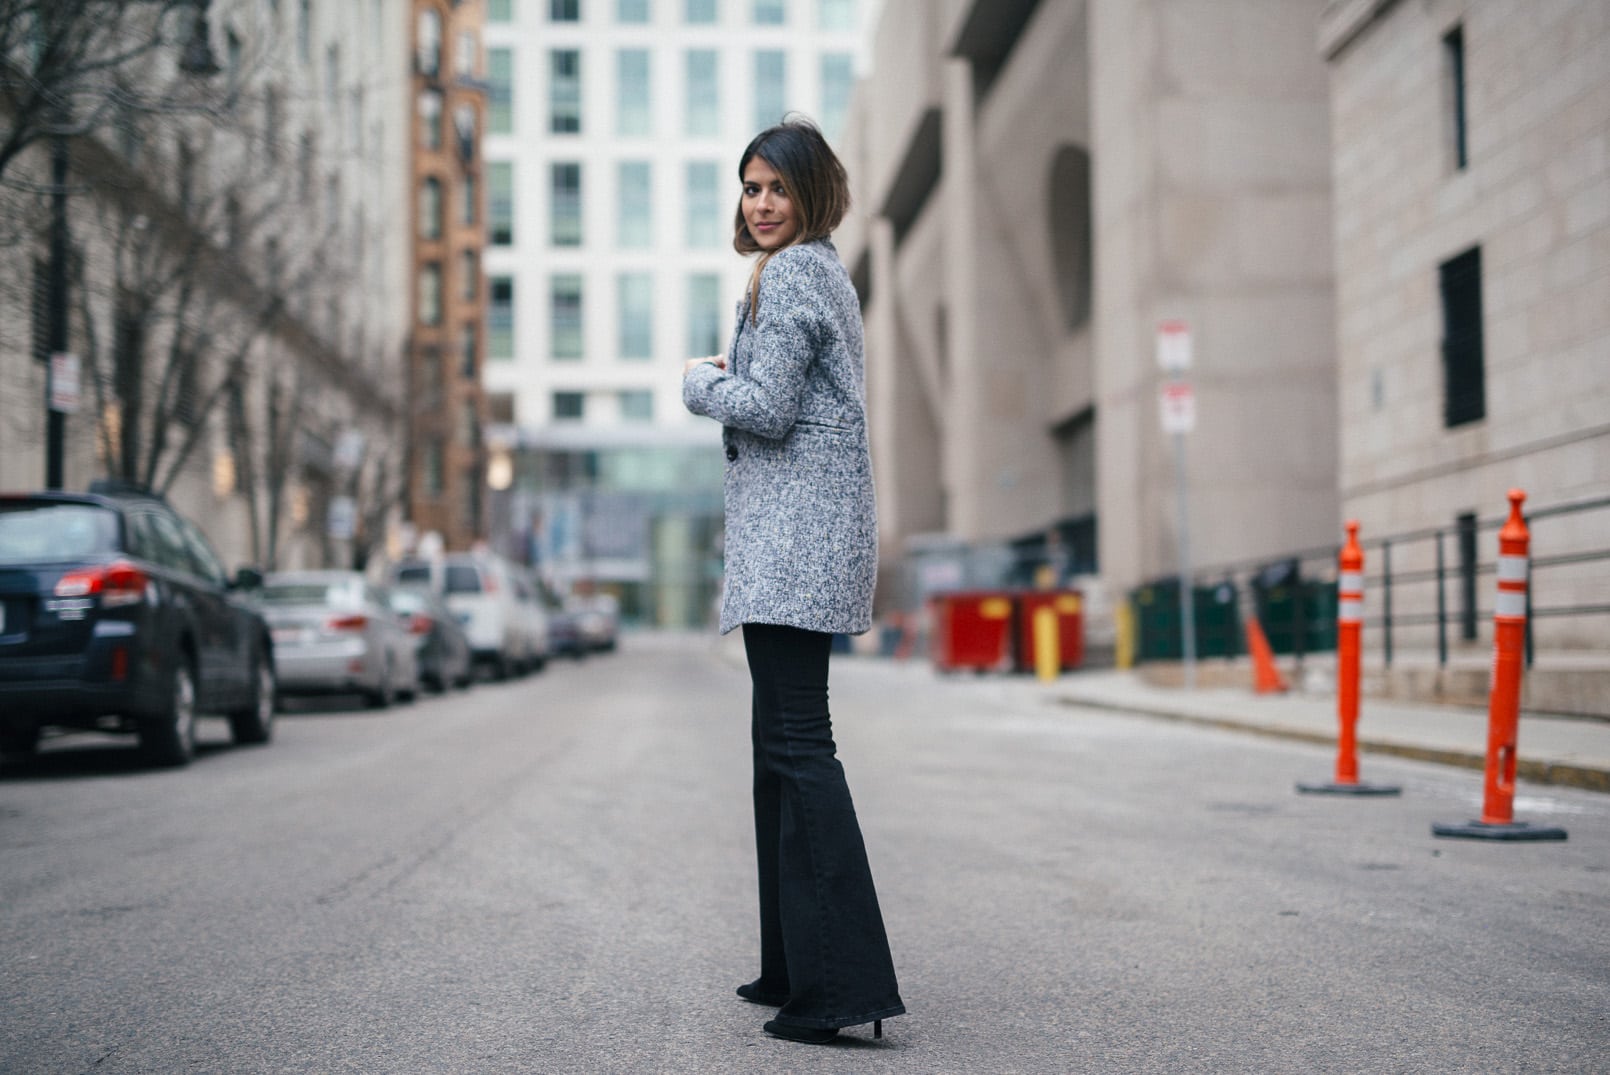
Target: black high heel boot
x,y
810,1035
807,1034
755,994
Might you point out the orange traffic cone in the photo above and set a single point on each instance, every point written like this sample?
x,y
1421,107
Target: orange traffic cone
x,y
1266,677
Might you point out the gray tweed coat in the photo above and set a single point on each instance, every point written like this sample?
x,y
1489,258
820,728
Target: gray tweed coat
x,y
802,531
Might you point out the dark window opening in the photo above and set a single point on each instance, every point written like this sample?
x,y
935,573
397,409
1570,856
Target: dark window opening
x,y
1465,526
1071,231
1453,46
1464,389
568,404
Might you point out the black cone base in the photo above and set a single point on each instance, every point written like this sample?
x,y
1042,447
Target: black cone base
x,y
1514,830
1334,788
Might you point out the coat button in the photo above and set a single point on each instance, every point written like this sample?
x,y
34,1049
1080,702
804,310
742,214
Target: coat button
x,y
732,453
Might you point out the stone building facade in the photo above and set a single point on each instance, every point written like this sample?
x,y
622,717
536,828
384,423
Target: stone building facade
x,y
1041,184
1472,225
237,290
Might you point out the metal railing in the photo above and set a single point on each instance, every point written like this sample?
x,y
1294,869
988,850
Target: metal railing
x,y
1431,588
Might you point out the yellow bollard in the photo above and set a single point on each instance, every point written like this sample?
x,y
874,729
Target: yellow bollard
x,y
1125,617
1047,645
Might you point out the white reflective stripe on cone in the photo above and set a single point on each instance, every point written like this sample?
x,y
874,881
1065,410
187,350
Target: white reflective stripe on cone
x,y
1512,569
1350,610
1351,582
1510,604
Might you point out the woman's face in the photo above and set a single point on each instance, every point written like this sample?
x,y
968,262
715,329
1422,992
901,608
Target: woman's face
x,y
766,207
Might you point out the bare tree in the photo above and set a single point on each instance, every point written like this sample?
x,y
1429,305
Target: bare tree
x,y
73,67
196,269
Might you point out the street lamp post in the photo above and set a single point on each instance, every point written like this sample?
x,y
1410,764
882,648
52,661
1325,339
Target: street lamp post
x,y
56,298
196,60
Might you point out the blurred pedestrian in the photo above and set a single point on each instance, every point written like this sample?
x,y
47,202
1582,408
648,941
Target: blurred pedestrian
x,y
801,560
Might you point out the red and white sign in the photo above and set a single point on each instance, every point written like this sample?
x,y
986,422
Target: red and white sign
x,y
1173,346
1178,407
64,383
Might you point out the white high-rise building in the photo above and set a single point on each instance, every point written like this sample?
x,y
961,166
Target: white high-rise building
x,y
613,134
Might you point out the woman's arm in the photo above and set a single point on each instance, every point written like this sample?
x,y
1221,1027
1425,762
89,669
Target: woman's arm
x,y
765,400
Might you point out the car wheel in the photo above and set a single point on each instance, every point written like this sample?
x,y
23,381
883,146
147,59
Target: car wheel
x,y
386,693
255,723
19,744
170,739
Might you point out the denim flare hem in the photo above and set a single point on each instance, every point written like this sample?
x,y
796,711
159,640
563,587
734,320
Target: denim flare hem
x,y
821,930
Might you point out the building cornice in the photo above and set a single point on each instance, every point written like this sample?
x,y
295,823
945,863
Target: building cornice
x,y
1344,20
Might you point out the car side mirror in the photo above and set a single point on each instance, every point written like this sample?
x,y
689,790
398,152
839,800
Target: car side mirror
x,y
247,578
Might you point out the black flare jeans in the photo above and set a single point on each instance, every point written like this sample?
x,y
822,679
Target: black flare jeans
x,y
822,941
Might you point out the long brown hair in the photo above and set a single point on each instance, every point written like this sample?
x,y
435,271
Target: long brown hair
x,y
814,179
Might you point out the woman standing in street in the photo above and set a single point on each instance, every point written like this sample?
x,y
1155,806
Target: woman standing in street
x,y
801,560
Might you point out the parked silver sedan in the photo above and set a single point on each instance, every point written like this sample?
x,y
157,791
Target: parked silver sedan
x,y
334,633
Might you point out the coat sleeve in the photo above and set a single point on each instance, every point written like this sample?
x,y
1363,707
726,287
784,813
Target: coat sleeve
x,y
764,398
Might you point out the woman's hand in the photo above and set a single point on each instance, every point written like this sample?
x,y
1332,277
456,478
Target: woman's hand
x,y
718,361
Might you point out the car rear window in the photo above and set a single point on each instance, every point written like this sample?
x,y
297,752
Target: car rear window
x,y
462,578
36,532
405,599
414,575
305,593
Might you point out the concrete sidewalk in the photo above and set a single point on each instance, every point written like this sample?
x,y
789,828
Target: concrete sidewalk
x,y
1553,750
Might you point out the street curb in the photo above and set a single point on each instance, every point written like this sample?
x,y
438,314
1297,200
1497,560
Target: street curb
x,y
1539,772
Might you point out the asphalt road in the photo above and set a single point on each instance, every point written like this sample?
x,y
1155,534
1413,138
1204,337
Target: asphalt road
x,y
555,875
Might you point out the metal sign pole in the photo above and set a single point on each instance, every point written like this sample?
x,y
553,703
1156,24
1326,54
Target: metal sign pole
x,y
1179,418
1187,598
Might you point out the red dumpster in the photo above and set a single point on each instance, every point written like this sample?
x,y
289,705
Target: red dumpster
x,y
1069,608
972,630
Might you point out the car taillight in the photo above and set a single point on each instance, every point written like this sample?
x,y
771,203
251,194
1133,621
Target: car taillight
x,y
347,623
420,625
116,584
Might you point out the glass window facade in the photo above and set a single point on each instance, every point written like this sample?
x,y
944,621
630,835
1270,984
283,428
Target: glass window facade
x,y
564,10
565,205
500,202
565,335
703,89
500,11
770,12
771,87
700,12
637,405
704,315
500,319
836,14
633,12
499,91
635,309
634,216
838,80
704,204
564,91
634,95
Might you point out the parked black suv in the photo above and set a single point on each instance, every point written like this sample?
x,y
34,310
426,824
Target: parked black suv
x,y
115,615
